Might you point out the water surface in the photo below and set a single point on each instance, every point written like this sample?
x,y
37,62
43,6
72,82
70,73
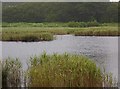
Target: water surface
x,y
103,50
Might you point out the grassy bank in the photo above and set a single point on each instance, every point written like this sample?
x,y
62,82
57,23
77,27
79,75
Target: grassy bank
x,y
55,70
27,33
27,37
96,32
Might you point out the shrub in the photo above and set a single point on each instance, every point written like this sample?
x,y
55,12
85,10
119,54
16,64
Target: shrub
x,y
92,24
73,24
83,24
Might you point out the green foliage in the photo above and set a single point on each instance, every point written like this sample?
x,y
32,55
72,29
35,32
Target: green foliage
x,y
57,70
11,73
55,24
84,24
47,33
24,24
73,24
59,12
100,31
92,24
63,71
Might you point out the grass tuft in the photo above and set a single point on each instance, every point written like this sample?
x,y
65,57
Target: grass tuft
x,y
11,73
63,70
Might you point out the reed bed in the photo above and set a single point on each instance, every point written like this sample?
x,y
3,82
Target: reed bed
x,y
46,33
11,73
57,70
97,33
63,70
27,37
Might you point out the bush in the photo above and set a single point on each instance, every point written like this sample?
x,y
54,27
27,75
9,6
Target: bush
x,y
73,24
92,24
83,24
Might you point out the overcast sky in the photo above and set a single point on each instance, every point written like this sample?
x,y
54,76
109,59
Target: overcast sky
x,y
59,0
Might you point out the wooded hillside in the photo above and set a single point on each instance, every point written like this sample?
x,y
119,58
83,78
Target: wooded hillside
x,y
59,12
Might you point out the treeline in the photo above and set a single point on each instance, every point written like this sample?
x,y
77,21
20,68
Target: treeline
x,y
59,12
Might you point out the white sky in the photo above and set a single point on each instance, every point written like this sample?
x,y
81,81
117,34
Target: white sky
x,y
114,0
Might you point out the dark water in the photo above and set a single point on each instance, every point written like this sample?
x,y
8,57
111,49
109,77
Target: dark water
x,y
104,50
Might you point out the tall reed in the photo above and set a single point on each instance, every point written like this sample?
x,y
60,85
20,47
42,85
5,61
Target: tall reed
x,y
63,70
11,73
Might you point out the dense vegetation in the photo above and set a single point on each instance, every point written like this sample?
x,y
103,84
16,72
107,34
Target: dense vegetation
x,y
35,32
11,73
35,21
64,70
53,24
59,12
27,37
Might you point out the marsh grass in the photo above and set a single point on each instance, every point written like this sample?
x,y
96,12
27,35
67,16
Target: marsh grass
x,y
57,70
25,24
11,73
46,33
58,24
27,37
97,33
84,24
52,24
102,31
63,70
